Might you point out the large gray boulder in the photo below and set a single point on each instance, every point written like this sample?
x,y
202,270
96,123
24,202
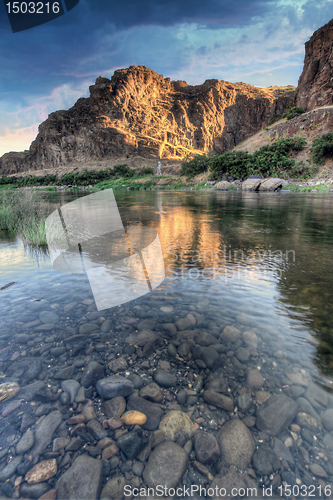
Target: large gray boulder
x,y
166,465
223,185
251,184
236,443
44,432
272,184
233,482
111,387
276,414
82,481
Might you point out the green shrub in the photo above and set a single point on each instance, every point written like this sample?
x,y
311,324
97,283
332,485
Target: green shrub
x,y
322,148
272,120
197,165
293,112
269,160
236,163
146,171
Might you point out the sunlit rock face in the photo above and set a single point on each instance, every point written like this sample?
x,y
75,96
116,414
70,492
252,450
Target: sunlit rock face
x,y
139,113
315,85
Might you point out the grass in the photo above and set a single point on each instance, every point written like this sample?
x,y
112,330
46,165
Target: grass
x,y
23,212
201,185
321,188
71,179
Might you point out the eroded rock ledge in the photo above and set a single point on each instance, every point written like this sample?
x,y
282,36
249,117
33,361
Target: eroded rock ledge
x,y
139,113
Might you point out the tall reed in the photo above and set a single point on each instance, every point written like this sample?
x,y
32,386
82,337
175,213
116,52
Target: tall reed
x,y
23,212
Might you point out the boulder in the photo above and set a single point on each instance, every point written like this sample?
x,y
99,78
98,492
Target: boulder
x,y
276,414
223,185
166,465
236,443
251,184
82,480
272,184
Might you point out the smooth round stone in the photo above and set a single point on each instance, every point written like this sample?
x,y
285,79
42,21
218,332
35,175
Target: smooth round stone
x,y
91,374
45,327
230,334
182,396
327,419
48,317
133,417
255,379
136,380
166,465
71,386
151,410
88,328
34,490
183,323
26,442
137,468
172,351
206,447
297,390
166,309
22,338
114,407
318,470
236,443
42,471
316,396
10,469
8,390
152,392
244,402
242,354
26,368
219,400
106,326
175,421
265,461
64,398
131,443
164,379
57,351
111,387
12,406
276,414
80,397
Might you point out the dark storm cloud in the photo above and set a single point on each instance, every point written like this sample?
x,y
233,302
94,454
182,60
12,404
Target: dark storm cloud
x,y
170,12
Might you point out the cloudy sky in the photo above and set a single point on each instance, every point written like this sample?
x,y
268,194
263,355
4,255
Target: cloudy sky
x,y
49,67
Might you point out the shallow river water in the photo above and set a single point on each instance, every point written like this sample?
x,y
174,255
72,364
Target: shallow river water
x,y
216,383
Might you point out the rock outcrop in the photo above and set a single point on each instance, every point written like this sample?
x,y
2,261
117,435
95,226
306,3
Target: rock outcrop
x,y
139,113
315,85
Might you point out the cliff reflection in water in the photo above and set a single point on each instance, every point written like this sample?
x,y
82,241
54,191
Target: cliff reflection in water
x,y
285,239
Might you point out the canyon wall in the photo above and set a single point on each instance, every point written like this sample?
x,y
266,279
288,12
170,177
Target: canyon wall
x,y
139,113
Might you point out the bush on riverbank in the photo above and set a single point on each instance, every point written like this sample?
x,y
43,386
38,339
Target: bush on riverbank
x,y
195,166
270,160
23,212
322,148
86,178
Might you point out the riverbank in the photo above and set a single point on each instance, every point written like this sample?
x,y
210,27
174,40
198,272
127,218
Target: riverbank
x,y
174,182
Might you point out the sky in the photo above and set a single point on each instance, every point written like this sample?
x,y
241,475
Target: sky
x,y
49,67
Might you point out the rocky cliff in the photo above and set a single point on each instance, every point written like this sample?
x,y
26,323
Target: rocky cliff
x,y
139,113
315,85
